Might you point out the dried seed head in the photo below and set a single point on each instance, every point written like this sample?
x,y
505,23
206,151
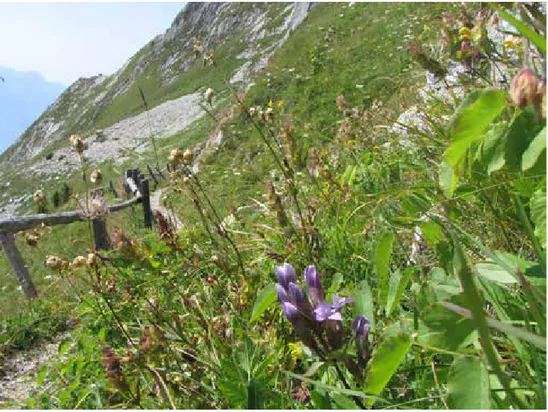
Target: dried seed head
x,y
523,89
77,143
176,156
54,262
251,111
79,261
188,156
92,259
31,239
341,103
96,177
208,95
39,197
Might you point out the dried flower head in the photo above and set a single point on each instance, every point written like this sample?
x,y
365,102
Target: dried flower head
x,y
96,177
341,103
251,111
77,143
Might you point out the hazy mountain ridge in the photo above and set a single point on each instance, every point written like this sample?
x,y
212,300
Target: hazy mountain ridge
x,y
165,68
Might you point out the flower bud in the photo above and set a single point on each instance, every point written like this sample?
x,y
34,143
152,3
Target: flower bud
x,y
361,326
286,274
313,282
523,89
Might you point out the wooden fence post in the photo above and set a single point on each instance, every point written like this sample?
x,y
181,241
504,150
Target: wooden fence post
x,y
152,175
145,198
18,265
112,189
100,234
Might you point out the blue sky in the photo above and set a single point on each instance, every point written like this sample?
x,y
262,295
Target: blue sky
x,y
61,42
65,41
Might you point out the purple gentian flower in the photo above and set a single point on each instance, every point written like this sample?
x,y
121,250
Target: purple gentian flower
x,y
331,312
361,326
315,289
286,274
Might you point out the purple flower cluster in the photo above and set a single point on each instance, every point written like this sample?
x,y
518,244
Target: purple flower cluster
x,y
318,324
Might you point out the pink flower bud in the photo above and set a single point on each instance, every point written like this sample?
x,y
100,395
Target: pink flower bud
x,y
523,90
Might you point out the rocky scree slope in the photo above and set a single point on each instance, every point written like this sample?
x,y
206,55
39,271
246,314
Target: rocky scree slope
x,y
242,35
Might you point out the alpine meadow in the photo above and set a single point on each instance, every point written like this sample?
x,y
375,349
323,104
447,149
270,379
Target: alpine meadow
x,y
287,206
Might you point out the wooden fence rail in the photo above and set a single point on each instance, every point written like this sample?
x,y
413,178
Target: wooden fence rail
x,y
135,185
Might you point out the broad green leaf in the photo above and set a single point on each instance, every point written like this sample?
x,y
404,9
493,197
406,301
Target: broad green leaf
x,y
493,272
491,152
536,340
537,39
534,151
468,384
431,232
521,133
398,284
447,179
447,330
383,250
265,298
363,302
470,125
384,362
538,214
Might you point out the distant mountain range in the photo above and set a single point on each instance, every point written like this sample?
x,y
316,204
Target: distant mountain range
x,y
23,98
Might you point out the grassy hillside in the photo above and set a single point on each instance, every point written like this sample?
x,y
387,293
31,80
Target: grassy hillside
x,y
435,233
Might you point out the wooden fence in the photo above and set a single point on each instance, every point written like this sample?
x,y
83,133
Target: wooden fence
x,y
135,185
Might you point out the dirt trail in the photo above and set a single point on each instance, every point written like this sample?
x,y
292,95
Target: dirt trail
x,y
19,369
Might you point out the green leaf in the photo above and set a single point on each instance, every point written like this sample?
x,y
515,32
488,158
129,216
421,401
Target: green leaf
x,y
447,330
447,179
491,152
398,284
537,39
431,232
265,298
493,272
471,123
534,151
385,361
523,130
538,214
383,250
336,283
363,302
468,384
